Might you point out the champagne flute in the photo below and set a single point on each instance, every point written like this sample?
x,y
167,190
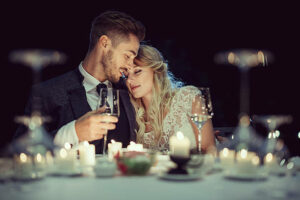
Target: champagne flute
x,y
201,111
109,98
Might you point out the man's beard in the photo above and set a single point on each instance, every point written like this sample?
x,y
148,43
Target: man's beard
x,y
108,66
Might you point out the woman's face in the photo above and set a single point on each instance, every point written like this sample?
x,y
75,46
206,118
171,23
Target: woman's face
x,y
140,80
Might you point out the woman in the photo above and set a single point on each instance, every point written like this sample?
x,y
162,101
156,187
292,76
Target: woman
x,y
162,106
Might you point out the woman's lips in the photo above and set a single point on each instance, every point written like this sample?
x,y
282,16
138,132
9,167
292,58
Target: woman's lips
x,y
134,87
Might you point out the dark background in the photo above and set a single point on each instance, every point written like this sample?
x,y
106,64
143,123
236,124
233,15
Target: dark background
x,y
188,35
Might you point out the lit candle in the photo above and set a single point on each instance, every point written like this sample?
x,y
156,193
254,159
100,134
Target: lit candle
x,y
113,148
40,162
227,158
134,147
87,154
247,162
270,161
65,158
24,167
180,145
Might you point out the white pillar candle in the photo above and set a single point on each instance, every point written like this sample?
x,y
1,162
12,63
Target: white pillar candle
x,y
65,160
227,158
87,154
23,166
180,145
113,149
135,147
247,162
270,162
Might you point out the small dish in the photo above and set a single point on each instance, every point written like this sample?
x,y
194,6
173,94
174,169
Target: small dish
x,y
180,177
258,176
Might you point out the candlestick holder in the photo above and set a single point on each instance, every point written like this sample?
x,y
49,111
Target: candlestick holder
x,y
181,163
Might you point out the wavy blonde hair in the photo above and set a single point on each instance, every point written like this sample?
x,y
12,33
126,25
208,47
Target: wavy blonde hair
x,y
163,90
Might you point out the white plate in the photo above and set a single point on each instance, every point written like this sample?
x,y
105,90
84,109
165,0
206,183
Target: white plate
x,y
258,176
180,177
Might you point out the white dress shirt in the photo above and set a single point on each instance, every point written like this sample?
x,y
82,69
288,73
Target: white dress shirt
x,y
67,133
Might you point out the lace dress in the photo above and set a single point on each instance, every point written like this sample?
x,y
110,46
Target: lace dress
x,y
176,120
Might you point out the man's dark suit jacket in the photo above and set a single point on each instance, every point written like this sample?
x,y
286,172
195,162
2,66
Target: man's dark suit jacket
x,y
64,99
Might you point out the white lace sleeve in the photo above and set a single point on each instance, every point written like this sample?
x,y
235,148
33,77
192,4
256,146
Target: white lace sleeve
x,y
178,117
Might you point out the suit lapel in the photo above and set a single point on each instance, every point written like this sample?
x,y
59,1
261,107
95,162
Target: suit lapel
x,y
77,96
78,102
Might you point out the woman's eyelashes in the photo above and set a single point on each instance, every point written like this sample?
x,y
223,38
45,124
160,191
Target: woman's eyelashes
x,y
137,71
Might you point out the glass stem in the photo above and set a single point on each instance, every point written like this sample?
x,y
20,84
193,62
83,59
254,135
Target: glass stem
x,y
199,138
104,144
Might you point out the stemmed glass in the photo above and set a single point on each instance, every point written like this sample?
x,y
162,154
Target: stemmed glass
x,y
36,142
109,98
201,111
272,122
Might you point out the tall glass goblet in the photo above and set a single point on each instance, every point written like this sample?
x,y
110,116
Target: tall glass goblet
x,y
109,98
202,111
272,122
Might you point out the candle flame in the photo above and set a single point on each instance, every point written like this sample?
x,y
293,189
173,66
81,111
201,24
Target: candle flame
x,y
85,143
244,153
67,146
63,153
131,142
39,157
269,157
180,135
255,160
113,141
225,152
23,157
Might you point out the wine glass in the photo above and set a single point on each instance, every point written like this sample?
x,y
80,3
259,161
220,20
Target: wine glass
x,y
201,111
272,122
109,98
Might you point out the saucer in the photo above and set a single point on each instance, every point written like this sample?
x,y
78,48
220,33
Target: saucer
x,y
59,172
258,176
180,177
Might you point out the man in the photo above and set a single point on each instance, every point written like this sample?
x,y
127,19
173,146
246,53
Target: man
x,y
71,99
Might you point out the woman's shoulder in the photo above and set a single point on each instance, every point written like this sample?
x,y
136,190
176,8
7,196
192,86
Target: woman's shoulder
x,y
187,90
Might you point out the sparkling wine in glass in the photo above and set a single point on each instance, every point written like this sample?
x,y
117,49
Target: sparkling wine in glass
x,y
201,111
109,98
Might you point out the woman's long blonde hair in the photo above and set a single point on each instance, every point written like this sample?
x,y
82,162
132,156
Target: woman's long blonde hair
x,y
163,91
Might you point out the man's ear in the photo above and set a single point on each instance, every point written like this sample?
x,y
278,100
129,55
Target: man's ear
x,y
104,41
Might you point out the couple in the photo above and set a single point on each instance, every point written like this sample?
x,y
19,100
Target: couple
x,y
152,111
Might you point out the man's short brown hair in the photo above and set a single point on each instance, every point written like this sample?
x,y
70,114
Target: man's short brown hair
x,y
116,25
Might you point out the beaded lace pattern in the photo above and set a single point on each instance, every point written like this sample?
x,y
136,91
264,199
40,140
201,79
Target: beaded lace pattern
x,y
177,119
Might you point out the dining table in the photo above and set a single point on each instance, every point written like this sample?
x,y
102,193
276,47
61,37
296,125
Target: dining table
x,y
212,185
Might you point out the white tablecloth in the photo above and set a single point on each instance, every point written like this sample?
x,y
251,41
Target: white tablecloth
x,y
213,186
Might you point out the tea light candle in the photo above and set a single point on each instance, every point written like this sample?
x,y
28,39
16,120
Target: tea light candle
x,y
227,157
87,154
247,162
134,147
270,161
65,159
24,167
113,148
40,162
180,145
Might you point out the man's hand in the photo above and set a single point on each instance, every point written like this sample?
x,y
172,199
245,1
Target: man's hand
x,y
92,126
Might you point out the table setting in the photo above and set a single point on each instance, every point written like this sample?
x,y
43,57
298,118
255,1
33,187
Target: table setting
x,y
245,166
